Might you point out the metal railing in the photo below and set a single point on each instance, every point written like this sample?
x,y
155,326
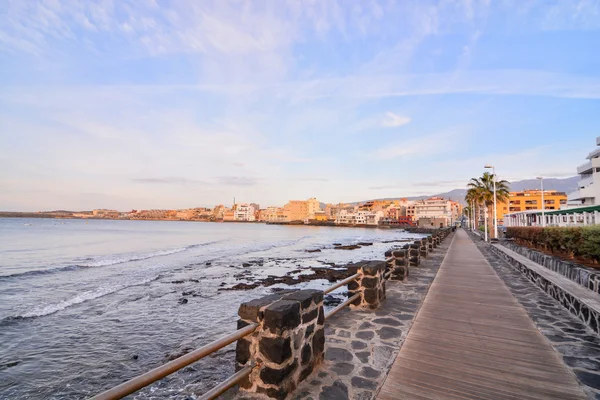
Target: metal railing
x,y
154,375
141,381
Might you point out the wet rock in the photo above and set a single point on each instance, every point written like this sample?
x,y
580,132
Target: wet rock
x,y
313,251
135,357
331,301
178,281
246,265
347,247
183,300
208,263
365,243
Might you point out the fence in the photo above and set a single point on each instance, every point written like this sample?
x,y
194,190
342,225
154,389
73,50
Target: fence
x,y
264,349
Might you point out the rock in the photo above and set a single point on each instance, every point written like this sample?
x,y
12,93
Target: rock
x,y
369,372
388,333
367,335
357,345
365,243
337,391
342,368
246,265
313,251
330,300
387,321
183,300
135,357
208,263
178,282
276,349
347,247
337,354
362,383
363,356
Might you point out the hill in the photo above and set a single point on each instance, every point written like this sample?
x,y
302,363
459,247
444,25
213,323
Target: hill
x,y
566,185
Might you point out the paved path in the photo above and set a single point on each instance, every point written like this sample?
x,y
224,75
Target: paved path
x,y
471,339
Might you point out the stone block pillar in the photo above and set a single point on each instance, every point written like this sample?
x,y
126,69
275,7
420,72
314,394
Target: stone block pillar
x,y
287,344
423,249
397,263
370,284
429,243
413,255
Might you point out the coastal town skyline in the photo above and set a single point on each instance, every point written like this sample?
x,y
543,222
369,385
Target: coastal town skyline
x,y
162,105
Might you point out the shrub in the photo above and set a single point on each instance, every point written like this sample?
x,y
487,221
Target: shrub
x,y
581,242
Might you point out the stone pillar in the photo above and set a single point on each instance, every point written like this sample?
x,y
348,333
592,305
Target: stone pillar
x,y
370,284
423,249
397,263
413,254
430,243
287,344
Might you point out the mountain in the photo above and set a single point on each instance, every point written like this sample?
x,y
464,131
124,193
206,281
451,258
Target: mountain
x,y
566,185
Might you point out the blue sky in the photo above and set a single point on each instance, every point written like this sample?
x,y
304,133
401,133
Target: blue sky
x,y
174,104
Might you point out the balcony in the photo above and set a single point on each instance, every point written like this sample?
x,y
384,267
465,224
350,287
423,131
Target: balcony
x,y
585,182
585,168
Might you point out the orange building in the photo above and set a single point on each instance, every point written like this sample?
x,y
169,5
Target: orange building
x,y
531,200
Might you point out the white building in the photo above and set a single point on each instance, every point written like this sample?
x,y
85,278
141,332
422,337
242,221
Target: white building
x,y
244,212
588,192
579,216
437,209
359,218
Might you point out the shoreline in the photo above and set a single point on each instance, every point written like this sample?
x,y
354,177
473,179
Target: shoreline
x,y
407,228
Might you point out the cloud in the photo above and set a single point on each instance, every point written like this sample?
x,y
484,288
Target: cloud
x,y
392,120
167,181
238,180
311,179
421,146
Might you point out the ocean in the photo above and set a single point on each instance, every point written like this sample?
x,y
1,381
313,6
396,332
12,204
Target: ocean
x,y
88,304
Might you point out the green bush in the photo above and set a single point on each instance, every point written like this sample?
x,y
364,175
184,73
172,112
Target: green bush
x,y
481,228
581,242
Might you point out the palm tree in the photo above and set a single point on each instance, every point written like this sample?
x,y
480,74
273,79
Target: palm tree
x,y
482,191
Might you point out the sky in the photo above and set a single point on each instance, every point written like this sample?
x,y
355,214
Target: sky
x,y
175,104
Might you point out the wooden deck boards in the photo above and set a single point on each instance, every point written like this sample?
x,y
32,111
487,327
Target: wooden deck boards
x,y
472,340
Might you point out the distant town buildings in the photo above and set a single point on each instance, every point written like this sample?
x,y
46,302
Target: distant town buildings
x,y
436,212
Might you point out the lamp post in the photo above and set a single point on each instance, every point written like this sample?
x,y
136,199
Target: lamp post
x,y
541,178
495,208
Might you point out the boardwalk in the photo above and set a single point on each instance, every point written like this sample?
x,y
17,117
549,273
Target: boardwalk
x,y
472,340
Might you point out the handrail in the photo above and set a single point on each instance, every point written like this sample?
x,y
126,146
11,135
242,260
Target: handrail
x,y
228,383
339,307
154,375
387,275
341,283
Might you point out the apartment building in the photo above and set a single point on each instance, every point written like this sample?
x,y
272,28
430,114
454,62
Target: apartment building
x,y
588,187
528,200
359,217
437,211
244,213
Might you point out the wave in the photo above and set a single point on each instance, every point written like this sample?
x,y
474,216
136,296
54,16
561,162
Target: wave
x,y
48,309
104,262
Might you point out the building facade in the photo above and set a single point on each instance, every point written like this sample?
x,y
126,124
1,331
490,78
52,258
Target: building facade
x,y
436,211
244,213
528,200
588,188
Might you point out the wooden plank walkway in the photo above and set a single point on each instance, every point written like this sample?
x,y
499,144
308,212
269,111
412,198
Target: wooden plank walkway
x,y
472,340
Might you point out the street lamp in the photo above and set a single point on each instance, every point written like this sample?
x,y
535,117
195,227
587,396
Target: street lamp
x,y
495,208
541,178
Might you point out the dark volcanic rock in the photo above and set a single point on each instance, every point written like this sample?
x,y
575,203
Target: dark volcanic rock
x,y
183,300
347,247
313,251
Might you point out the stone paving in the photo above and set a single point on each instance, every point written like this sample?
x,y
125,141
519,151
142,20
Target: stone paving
x,y
577,343
360,346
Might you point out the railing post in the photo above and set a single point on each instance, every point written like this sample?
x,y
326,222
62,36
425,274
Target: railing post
x,y
397,263
413,255
423,249
286,346
370,284
430,246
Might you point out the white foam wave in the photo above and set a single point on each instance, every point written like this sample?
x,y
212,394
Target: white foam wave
x,y
82,297
104,262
